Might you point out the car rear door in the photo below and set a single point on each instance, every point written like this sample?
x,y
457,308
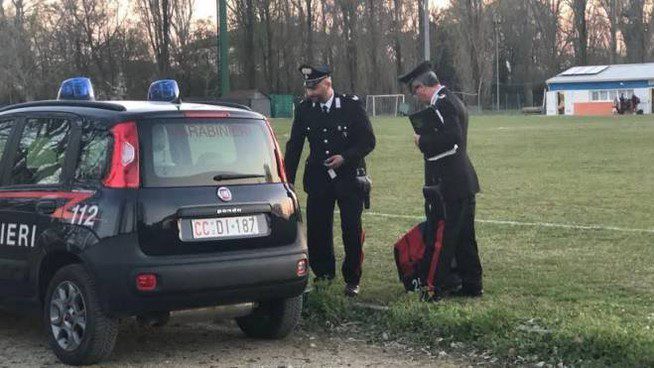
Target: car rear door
x,y
33,190
7,264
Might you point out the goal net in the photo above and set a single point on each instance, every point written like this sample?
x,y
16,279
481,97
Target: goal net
x,y
383,104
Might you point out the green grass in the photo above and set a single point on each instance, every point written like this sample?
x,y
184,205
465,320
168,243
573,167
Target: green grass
x,y
582,297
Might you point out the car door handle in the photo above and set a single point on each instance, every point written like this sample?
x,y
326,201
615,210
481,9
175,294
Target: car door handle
x,y
47,207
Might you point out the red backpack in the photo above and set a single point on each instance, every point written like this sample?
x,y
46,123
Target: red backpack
x,y
417,254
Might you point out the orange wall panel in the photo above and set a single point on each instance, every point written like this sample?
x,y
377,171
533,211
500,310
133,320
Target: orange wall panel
x,y
593,108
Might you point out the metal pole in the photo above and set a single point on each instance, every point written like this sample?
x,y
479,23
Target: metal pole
x,y
425,4
497,62
223,43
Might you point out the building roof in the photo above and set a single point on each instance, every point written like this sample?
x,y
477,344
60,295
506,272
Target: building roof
x,y
606,73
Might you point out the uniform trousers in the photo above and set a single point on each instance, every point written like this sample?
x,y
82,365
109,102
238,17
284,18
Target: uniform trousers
x,y
320,234
460,244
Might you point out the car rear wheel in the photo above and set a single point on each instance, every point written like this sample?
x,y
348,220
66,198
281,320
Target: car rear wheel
x,y
79,332
273,319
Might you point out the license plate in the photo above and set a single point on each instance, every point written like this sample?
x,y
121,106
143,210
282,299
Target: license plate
x,y
229,227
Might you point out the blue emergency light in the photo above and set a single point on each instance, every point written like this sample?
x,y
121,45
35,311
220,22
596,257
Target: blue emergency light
x,y
165,90
79,89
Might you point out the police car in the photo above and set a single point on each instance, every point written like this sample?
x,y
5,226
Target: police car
x,y
138,208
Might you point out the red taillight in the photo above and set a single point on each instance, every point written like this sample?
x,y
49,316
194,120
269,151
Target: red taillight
x,y
146,282
302,268
124,171
278,154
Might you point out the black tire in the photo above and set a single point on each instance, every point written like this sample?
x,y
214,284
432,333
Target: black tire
x,y
98,338
153,319
273,319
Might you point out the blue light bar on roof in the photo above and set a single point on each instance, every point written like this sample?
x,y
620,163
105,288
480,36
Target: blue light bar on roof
x,y
79,89
165,90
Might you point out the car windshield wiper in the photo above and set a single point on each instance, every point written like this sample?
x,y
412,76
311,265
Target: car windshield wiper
x,y
234,176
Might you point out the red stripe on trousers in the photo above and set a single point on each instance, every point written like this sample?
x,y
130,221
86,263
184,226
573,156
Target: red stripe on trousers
x,y
438,246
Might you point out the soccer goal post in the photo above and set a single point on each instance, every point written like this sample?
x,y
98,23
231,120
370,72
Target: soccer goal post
x,y
383,104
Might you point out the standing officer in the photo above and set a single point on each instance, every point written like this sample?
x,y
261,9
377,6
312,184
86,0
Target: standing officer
x,y
448,166
340,136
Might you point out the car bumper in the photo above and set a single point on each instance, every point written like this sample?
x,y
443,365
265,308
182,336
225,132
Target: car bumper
x,y
200,281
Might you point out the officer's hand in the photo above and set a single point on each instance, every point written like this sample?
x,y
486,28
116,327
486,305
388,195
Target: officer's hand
x,y
416,138
335,161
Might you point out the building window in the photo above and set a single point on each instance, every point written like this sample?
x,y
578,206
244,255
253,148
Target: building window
x,y
610,95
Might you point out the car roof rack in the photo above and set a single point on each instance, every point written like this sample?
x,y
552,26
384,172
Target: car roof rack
x,y
61,103
220,103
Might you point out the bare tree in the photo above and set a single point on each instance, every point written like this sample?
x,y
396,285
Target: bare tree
x,y
473,30
266,18
309,24
398,21
349,13
612,8
580,31
633,24
156,15
373,49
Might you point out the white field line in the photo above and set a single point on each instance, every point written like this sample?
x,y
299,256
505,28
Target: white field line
x,y
519,223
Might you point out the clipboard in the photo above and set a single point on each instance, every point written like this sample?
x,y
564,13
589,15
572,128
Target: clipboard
x,y
425,121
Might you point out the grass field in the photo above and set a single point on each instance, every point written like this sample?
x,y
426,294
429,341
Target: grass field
x,y
554,292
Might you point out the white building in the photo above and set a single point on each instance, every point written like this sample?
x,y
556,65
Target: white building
x,y
592,90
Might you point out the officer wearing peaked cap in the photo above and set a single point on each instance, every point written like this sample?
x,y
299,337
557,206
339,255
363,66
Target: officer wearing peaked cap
x,y
448,168
340,136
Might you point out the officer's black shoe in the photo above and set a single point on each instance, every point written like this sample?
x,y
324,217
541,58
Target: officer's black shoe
x,y
468,292
352,290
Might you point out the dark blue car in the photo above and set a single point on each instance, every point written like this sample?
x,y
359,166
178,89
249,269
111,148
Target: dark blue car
x,y
138,208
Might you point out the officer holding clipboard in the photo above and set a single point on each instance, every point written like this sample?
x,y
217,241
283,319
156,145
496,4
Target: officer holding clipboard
x,y
441,135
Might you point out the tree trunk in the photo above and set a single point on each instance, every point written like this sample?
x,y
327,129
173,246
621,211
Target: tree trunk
x,y
328,53
634,31
309,25
613,24
421,30
165,46
348,9
397,31
250,61
269,44
374,47
580,37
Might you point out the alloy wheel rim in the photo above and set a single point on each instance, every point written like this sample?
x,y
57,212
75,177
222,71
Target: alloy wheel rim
x,y
68,315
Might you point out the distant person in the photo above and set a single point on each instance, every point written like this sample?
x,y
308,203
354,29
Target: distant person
x,y
623,104
340,136
616,105
447,166
634,103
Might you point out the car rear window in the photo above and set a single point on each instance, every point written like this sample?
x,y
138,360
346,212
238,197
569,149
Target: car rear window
x,y
179,152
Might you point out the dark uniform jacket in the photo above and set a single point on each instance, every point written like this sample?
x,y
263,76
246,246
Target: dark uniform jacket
x,y
345,130
453,171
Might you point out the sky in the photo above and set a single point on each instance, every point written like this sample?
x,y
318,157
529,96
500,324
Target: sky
x,y
207,8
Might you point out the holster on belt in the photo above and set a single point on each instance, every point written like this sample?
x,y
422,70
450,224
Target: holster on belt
x,y
364,183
